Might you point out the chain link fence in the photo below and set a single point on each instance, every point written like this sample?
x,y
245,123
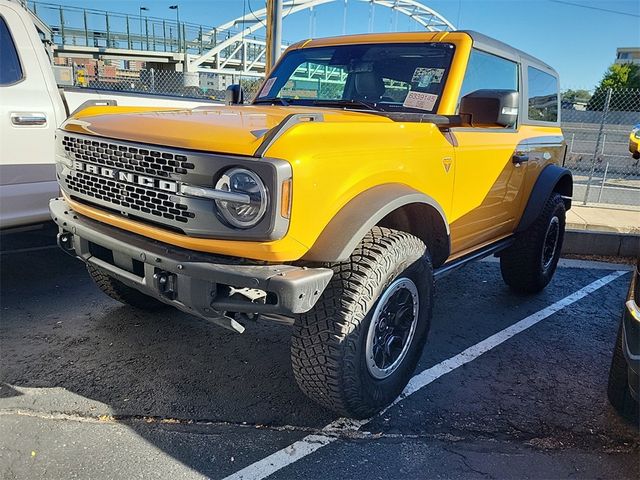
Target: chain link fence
x,y
162,82
599,138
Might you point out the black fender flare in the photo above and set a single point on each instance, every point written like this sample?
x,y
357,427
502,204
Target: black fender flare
x,y
348,227
552,178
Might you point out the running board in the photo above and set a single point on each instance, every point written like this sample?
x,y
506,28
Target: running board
x,y
449,267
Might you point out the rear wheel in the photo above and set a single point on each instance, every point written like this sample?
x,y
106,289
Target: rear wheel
x,y
356,349
123,293
618,389
529,264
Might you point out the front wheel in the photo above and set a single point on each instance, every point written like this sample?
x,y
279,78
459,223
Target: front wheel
x,y
357,348
528,265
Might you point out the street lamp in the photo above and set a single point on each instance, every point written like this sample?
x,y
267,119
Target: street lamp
x,y
177,9
142,9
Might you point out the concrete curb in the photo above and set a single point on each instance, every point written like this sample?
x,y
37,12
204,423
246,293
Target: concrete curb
x,y
586,242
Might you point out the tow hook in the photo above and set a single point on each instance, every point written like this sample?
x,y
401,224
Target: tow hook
x,y
65,242
166,283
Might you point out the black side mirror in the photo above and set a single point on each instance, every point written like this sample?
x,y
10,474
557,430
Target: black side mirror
x,y
234,95
490,108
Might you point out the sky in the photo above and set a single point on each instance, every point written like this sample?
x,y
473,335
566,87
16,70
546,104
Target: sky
x,y
577,37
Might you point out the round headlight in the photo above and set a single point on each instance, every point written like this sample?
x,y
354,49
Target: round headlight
x,y
242,214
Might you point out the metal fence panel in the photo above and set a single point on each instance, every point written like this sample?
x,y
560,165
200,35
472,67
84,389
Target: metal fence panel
x,y
598,141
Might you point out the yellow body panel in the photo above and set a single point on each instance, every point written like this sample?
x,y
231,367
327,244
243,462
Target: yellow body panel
x,y
347,153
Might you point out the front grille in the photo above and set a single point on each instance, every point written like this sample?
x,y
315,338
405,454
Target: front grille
x,y
141,199
145,183
135,159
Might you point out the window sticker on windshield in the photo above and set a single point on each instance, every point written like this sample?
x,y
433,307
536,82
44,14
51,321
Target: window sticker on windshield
x,y
426,76
267,87
422,101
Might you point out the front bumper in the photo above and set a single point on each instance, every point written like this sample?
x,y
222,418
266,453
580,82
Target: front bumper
x,y
202,284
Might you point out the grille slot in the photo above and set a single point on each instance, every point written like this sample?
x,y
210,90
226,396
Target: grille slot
x,y
134,159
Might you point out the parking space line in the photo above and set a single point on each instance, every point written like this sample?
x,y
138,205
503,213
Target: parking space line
x,y
311,443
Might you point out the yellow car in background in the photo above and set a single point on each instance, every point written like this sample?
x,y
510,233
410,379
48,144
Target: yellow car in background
x,y
634,139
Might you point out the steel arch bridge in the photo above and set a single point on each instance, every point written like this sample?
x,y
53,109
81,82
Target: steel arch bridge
x,y
238,53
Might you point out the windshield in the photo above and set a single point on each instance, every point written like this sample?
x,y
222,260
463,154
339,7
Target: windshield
x,y
387,77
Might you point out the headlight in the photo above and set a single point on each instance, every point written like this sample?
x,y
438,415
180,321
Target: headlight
x,y
636,133
242,214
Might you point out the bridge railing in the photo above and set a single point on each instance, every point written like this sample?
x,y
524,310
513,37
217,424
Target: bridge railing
x,y
87,27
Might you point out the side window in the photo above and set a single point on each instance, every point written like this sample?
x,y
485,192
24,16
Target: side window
x,y
543,96
313,80
486,71
10,69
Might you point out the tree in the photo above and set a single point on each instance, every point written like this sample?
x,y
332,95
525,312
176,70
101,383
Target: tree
x,y
620,77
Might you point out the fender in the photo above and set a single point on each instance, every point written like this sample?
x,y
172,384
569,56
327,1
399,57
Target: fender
x,y
349,226
551,179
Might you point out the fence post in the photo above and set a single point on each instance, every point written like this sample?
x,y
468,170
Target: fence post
x,y
152,79
595,150
604,179
164,34
106,21
573,136
128,34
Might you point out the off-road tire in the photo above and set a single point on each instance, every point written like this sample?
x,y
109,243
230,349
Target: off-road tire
x,y
328,343
618,389
123,293
521,264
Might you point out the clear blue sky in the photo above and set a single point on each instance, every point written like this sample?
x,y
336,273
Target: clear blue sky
x,y
579,42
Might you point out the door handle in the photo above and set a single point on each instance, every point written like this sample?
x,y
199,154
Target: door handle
x,y
28,119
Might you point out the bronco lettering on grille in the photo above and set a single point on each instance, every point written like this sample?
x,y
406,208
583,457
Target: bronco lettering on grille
x,y
127,177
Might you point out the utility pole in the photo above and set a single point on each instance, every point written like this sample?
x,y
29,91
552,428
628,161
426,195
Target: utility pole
x,y
274,32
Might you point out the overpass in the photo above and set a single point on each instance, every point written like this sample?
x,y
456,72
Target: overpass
x,y
231,48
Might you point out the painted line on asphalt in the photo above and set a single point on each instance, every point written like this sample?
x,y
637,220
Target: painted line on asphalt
x,y
311,443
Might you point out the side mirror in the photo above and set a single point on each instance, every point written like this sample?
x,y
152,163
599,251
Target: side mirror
x,y
234,95
490,108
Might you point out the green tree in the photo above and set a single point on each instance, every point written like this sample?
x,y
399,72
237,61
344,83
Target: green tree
x,y
624,80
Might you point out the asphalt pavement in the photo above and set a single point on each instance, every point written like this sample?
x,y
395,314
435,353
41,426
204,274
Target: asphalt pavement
x,y
92,389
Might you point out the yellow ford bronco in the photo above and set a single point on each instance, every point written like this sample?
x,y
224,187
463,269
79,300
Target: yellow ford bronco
x,y
366,167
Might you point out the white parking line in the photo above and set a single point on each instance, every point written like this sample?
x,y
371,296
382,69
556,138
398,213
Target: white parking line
x,y
311,443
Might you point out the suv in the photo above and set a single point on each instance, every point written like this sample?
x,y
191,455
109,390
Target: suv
x,y
366,167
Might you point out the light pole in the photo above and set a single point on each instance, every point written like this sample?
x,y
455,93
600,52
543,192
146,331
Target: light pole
x,y
142,9
177,9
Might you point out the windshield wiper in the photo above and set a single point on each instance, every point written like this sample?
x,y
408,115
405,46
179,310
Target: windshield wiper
x,y
346,103
279,100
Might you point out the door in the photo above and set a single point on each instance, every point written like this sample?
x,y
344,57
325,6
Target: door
x,y
28,120
486,194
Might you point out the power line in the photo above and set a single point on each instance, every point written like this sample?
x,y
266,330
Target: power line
x,y
596,8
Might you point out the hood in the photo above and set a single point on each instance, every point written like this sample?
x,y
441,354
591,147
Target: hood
x,y
237,130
